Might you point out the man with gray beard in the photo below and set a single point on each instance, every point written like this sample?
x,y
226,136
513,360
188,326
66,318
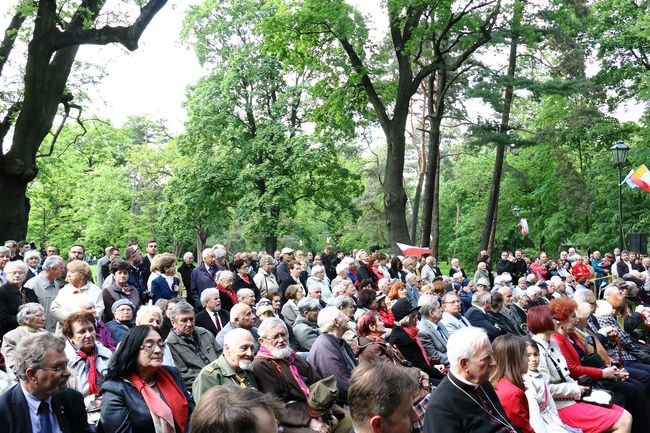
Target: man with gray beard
x,y
288,377
231,368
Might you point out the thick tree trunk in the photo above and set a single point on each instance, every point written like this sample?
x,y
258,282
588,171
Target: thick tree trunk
x,y
487,241
201,239
436,108
15,207
421,150
394,193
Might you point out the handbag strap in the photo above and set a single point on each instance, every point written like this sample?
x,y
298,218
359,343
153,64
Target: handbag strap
x,y
557,367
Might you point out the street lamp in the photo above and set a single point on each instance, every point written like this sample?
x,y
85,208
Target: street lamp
x,y
619,151
517,211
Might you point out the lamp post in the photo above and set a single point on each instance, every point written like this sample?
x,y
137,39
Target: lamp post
x,y
517,211
619,151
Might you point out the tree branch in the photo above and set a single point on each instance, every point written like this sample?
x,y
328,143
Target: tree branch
x,y
6,123
127,36
10,38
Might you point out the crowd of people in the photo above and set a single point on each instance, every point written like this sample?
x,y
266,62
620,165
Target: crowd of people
x,y
321,343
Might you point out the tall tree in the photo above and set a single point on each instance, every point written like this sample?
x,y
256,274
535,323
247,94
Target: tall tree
x,y
58,31
317,24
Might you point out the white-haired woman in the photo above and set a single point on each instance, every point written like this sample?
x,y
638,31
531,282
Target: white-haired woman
x,y
319,278
13,295
33,261
31,321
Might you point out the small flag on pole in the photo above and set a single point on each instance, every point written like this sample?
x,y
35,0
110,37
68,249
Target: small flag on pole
x,y
640,178
523,223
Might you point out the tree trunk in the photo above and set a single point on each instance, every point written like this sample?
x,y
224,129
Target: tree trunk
x,y
435,213
201,239
394,193
492,206
436,108
15,207
422,164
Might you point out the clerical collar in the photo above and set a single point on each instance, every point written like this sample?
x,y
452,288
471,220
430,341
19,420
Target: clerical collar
x,y
462,383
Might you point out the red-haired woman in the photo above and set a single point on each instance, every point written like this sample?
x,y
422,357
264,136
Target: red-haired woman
x,y
626,390
565,391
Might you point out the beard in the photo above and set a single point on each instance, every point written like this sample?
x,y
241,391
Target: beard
x,y
245,364
281,353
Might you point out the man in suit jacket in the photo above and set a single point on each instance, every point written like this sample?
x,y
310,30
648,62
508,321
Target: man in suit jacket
x,y
451,317
477,314
213,318
42,401
432,333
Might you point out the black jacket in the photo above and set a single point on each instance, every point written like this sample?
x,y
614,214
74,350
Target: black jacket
x,y
480,319
9,304
125,411
204,320
68,407
412,353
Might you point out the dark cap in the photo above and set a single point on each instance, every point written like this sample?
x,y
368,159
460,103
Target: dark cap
x,y
403,308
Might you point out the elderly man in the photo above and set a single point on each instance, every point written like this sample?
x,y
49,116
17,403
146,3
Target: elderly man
x,y
431,332
202,277
42,401
264,279
413,285
192,347
246,296
478,315
465,401
231,368
46,287
241,316
428,272
185,269
381,399
282,271
280,373
330,354
305,328
224,280
213,317
451,317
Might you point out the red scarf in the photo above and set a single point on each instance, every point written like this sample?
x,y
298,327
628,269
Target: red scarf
x,y
231,294
94,386
412,332
174,397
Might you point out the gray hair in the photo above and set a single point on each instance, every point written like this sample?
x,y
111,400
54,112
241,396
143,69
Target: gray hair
x,y
146,310
219,275
428,303
207,293
308,304
610,290
405,320
4,251
480,298
326,318
187,254
27,311
345,302
410,277
52,262
268,324
581,295
206,252
16,264
317,268
266,259
463,343
31,352
180,308
533,290
338,289
243,293
32,253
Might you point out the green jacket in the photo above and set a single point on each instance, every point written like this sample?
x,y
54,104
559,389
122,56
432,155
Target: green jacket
x,y
220,372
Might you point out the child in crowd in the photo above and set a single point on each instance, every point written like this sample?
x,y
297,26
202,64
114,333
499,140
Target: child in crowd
x,y
543,413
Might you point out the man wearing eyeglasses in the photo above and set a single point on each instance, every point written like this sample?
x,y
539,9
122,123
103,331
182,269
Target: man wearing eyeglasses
x,y
42,401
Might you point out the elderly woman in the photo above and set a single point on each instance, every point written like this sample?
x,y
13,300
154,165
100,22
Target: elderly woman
x,y
371,346
152,315
626,390
87,360
342,272
166,284
405,337
318,278
31,320
33,261
102,333
264,278
123,312
242,279
119,289
564,390
79,290
141,395
290,312
13,295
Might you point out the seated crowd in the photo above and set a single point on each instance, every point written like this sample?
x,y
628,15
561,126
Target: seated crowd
x,y
322,343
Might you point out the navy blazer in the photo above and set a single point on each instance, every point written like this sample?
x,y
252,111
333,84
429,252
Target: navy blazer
x,y
160,289
480,319
68,407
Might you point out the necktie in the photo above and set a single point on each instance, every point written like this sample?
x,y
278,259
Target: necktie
x,y
217,321
44,417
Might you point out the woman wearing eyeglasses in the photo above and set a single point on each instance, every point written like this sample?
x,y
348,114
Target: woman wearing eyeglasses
x,y
140,394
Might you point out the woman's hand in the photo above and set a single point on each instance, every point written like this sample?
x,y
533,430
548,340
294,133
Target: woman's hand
x,y
584,389
610,373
